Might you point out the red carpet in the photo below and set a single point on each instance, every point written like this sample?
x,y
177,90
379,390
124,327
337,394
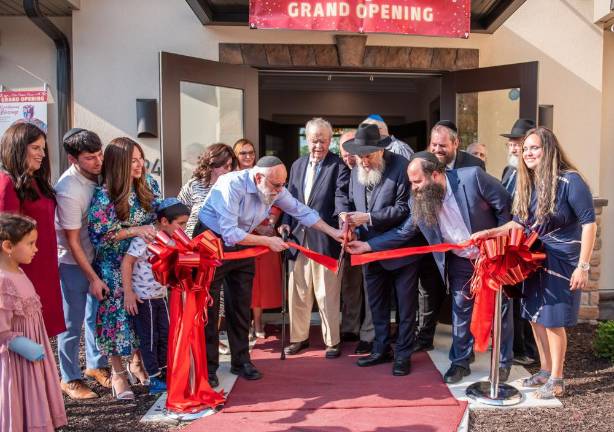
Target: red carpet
x,y
310,393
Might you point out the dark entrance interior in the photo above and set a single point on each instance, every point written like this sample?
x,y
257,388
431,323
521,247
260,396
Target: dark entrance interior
x,y
409,103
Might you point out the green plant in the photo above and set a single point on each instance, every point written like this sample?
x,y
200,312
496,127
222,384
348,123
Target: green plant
x,y
603,344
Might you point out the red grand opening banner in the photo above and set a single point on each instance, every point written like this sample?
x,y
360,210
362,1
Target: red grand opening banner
x,y
450,18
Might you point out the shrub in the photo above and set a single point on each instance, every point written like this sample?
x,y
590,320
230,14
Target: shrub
x,y
604,340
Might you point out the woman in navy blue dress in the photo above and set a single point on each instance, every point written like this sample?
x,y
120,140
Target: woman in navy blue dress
x,y
553,200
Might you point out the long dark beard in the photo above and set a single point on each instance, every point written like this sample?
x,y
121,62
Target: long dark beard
x,y
426,204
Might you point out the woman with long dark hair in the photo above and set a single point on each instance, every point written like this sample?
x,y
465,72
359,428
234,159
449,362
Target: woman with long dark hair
x,y
25,188
217,159
553,200
122,208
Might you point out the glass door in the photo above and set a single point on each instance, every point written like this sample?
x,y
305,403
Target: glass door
x,y
202,102
485,102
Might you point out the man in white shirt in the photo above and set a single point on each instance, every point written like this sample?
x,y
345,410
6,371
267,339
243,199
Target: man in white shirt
x,y
81,286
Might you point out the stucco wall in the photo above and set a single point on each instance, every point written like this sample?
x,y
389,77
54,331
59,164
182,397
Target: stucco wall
x,y
23,47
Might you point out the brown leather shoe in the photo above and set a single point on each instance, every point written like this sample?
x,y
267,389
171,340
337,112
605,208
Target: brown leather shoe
x,y
101,375
77,390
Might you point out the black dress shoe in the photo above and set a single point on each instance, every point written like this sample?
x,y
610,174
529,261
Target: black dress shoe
x,y
423,346
401,367
213,381
504,373
333,351
296,347
375,359
455,374
363,347
349,337
247,371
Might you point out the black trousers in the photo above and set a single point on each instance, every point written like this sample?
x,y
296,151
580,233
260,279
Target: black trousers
x,y
381,284
432,291
236,278
151,326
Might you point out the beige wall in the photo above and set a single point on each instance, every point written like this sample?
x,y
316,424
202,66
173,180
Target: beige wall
x,y
27,62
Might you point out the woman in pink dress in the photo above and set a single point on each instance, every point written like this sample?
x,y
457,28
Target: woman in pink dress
x,y
25,189
266,291
30,395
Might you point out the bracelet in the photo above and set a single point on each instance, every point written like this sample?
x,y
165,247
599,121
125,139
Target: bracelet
x,y
584,266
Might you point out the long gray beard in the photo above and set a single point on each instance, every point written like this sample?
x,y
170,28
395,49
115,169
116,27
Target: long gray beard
x,y
512,161
266,198
371,178
426,204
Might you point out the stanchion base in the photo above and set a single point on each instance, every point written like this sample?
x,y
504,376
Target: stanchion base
x,y
480,392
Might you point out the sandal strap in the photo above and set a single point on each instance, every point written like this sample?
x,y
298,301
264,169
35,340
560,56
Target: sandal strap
x,y
555,387
537,379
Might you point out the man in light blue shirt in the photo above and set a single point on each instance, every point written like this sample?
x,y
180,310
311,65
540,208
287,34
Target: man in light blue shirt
x,y
238,202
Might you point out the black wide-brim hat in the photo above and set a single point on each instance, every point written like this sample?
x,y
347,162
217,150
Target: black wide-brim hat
x,y
520,128
366,141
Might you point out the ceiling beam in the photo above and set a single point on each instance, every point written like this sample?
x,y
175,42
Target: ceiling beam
x,y
202,10
491,21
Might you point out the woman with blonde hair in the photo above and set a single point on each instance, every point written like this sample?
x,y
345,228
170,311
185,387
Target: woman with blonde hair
x,y
245,152
553,200
122,208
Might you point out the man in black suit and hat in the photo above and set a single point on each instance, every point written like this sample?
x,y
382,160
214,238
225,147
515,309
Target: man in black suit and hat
x,y
379,192
525,350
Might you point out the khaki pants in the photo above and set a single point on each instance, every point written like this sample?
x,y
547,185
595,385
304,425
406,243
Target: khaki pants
x,y
307,279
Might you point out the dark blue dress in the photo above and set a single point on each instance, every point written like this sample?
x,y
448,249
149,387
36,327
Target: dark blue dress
x,y
547,297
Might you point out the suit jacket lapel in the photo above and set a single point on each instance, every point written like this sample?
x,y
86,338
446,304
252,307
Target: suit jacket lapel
x,y
302,169
461,197
324,171
378,188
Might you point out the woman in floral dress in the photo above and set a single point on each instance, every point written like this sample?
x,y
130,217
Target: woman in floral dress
x,y
122,208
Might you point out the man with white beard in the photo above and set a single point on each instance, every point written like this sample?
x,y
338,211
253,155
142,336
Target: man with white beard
x,y
237,203
525,350
379,192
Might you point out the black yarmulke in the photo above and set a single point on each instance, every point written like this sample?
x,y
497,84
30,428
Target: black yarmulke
x,y
426,155
268,162
447,123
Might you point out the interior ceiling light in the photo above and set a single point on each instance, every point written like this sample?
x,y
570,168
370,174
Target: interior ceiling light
x,y
370,77
330,77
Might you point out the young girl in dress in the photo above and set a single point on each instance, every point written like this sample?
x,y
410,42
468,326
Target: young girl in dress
x,y
30,395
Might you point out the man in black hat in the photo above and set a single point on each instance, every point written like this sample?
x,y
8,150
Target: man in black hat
x,y
444,144
514,151
447,206
379,192
525,350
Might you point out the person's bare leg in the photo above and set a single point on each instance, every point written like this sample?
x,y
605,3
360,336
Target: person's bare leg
x,y
543,347
119,378
258,324
557,340
137,368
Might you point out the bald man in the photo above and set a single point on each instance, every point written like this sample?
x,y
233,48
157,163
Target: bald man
x,y
237,203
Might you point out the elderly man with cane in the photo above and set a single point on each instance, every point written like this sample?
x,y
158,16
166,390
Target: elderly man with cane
x,y
238,202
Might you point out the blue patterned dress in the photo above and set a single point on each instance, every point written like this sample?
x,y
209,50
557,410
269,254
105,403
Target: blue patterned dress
x,y
114,333
547,297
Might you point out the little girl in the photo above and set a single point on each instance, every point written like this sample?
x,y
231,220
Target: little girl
x,y
30,395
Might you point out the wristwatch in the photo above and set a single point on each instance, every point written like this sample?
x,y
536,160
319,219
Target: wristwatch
x,y
584,266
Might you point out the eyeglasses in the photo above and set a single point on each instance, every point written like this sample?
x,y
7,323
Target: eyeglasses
x,y
277,186
247,153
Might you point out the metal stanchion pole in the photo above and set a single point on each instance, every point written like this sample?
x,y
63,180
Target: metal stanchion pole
x,y
492,392
284,294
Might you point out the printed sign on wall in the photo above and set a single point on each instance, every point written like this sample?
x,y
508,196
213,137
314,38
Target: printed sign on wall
x,y
30,106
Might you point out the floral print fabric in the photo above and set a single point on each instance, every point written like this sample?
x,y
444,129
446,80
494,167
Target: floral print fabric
x,y
114,332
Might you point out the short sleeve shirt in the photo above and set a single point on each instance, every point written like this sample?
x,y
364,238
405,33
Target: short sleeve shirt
x,y
73,195
143,282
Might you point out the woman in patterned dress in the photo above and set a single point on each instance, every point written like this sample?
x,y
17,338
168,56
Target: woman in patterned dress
x,y
122,208
553,200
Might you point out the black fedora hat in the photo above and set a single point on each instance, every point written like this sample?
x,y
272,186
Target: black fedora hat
x,y
520,128
367,140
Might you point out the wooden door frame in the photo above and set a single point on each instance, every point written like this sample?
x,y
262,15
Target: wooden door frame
x,y
175,68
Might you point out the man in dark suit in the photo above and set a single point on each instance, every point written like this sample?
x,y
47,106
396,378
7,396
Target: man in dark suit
x,y
448,206
379,191
525,350
444,144
319,180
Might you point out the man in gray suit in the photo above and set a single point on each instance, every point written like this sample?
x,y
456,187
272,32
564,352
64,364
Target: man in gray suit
x,y
447,207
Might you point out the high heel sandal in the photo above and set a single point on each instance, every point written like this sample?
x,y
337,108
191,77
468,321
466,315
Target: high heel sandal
x,y
126,394
138,375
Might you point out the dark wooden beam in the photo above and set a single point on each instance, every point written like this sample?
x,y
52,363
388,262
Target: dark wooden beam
x,y
202,10
490,22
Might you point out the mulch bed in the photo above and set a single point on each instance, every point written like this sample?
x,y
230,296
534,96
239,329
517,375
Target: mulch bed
x,y
588,406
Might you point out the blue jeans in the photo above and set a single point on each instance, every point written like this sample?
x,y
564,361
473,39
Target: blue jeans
x,y
79,308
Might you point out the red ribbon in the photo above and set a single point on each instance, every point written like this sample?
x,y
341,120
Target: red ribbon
x,y
503,260
173,264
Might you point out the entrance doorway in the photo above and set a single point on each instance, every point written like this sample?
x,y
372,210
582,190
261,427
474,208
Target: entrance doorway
x,y
203,102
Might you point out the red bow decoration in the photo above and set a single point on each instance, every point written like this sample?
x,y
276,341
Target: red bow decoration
x,y
174,264
503,260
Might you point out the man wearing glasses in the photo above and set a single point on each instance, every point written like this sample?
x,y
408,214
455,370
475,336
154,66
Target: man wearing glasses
x,y
238,202
319,180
